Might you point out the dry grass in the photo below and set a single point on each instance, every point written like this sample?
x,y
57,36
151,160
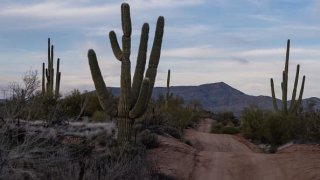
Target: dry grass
x,y
43,154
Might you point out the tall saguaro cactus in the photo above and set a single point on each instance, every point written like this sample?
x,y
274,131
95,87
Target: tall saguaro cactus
x,y
134,97
48,74
294,104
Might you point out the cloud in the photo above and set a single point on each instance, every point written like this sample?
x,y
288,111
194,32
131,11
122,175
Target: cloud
x,y
57,10
240,60
204,41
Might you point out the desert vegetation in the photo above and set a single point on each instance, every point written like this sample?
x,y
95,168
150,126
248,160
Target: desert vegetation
x,y
45,134
283,125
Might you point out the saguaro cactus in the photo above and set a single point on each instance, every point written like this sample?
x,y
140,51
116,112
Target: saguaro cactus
x,y
134,97
294,104
48,73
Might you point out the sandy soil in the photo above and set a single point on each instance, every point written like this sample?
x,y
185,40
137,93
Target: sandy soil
x,y
228,157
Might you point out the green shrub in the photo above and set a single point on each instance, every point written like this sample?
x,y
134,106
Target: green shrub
x,y
226,118
252,123
174,132
149,139
99,116
273,128
216,128
230,130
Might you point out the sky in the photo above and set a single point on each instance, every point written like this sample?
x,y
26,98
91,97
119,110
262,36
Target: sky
x,y
239,42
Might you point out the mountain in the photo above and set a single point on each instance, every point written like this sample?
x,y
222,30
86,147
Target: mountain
x,y
218,97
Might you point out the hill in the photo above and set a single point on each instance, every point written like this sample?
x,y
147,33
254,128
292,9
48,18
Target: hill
x,y
220,96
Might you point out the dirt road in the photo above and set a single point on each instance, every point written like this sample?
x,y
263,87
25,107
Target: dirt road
x,y
226,157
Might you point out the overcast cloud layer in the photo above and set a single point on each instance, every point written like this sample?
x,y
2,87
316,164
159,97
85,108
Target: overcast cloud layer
x,y
240,42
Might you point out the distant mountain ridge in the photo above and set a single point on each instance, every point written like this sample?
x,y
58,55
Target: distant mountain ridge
x,y
218,97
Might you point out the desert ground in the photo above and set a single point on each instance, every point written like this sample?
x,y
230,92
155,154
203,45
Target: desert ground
x,y
230,157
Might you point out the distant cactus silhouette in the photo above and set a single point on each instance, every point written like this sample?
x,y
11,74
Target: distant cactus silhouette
x,y
294,104
168,95
48,73
134,97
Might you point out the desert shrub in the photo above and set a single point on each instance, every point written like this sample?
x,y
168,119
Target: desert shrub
x,y
171,117
230,130
179,116
99,116
252,123
216,128
149,139
219,128
276,128
226,117
93,104
172,131
73,102
307,127
37,155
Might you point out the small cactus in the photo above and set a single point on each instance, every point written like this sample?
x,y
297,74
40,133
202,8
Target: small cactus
x,y
294,104
134,97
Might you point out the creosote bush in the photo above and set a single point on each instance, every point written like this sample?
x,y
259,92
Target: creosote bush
x,y
149,139
99,116
219,128
170,117
276,128
225,123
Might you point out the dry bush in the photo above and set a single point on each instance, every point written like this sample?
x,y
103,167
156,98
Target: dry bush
x,y
26,154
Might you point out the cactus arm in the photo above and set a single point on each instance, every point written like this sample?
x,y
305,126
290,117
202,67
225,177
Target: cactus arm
x,y
48,80
139,108
155,55
49,54
284,92
48,68
98,79
51,69
168,85
124,105
115,45
127,30
274,100
141,63
43,78
57,79
125,19
294,92
285,79
286,68
298,104
58,85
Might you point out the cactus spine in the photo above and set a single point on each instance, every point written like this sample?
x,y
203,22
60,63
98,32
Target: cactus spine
x,y
134,97
294,104
48,74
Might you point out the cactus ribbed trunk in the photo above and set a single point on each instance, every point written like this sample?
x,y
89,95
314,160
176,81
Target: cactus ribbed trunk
x,y
133,97
274,100
125,129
